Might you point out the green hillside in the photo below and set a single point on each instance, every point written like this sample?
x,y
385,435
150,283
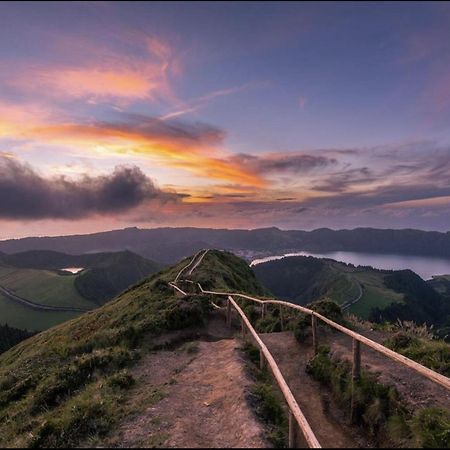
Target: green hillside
x,y
44,286
441,283
67,383
26,318
36,277
111,276
303,279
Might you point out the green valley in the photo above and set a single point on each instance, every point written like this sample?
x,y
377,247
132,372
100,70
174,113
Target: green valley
x,y
303,279
35,294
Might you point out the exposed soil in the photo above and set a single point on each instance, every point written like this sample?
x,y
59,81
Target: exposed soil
x,y
203,385
195,395
314,401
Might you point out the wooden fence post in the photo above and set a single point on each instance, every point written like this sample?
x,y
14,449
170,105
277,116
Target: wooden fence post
x,y
314,334
292,431
356,374
262,360
229,313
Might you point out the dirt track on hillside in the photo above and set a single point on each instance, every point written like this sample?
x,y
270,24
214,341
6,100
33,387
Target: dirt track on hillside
x,y
314,401
204,386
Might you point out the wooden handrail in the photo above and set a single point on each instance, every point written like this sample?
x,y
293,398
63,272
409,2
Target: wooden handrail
x,y
425,371
295,412
174,286
290,399
199,261
187,266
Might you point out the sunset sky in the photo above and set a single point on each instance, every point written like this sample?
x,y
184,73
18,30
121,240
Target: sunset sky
x,y
243,115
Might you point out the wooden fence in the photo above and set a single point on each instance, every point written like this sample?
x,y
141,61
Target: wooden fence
x,y
296,415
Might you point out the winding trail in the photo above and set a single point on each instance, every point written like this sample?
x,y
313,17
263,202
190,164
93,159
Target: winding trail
x,y
350,303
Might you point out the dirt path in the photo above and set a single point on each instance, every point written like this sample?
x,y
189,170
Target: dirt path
x,y
313,400
350,303
203,404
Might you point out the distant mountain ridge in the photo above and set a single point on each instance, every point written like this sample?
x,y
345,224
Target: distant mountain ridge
x,y
167,245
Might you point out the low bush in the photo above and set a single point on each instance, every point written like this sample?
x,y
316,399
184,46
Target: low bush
x,y
434,354
378,409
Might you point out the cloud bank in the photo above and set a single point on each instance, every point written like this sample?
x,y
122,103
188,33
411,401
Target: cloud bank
x,y
25,194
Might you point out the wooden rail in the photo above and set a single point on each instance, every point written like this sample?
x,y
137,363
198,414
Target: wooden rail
x,y
199,261
174,286
188,265
425,371
266,357
296,416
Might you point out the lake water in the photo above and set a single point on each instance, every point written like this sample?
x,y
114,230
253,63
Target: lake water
x,y
424,266
73,270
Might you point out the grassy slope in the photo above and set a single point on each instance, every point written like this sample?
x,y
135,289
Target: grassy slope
x,y
104,281
64,385
43,286
375,293
20,316
306,279
441,283
110,274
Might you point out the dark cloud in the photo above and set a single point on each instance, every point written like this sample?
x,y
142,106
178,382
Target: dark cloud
x,y
156,128
341,181
283,163
380,196
24,194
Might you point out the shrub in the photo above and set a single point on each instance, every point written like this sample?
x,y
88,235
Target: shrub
x,y
374,403
432,428
121,380
434,354
378,408
331,310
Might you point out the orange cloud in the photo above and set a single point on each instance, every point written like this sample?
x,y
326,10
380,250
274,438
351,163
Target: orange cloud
x,y
98,83
15,119
102,73
185,147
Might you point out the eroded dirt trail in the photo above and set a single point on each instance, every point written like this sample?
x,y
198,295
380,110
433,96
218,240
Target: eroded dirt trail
x,y
314,401
203,405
